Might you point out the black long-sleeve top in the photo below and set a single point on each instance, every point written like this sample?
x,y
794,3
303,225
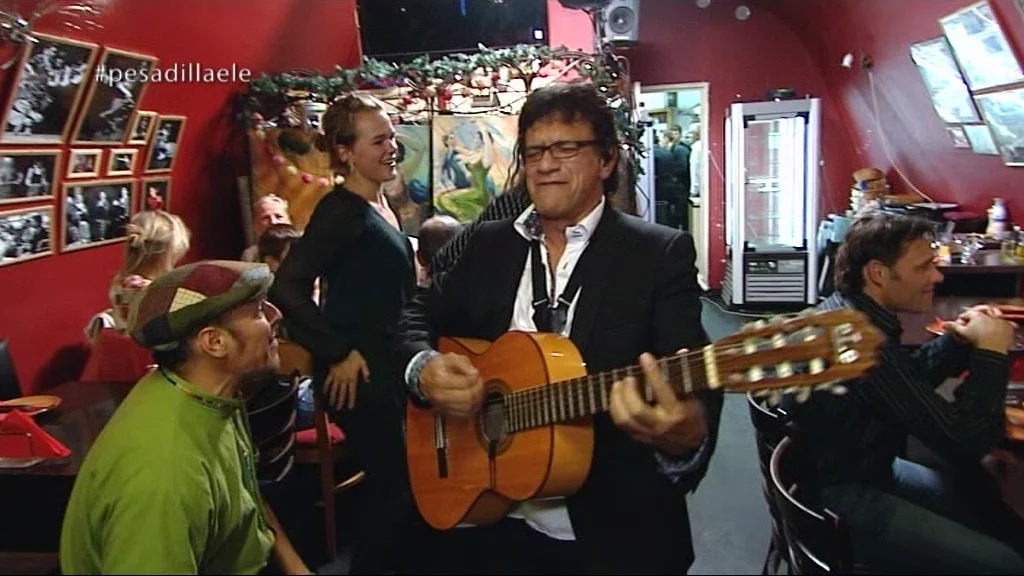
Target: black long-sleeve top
x,y
856,437
367,272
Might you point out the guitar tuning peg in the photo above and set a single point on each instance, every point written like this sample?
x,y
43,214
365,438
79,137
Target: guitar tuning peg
x,y
774,397
806,312
777,319
838,390
803,395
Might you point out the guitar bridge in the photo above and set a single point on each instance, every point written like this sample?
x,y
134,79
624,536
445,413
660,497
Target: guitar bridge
x,y
441,445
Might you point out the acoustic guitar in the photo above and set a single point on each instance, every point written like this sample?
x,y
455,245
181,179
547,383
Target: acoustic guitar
x,y
533,436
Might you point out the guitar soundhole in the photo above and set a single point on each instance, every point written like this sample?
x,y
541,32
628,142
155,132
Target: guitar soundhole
x,y
492,418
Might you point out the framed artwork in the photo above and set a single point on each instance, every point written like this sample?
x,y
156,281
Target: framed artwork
x,y
981,48
409,193
156,194
472,156
25,234
958,136
50,80
84,163
96,213
950,97
1004,114
113,97
981,139
28,175
122,161
142,127
164,148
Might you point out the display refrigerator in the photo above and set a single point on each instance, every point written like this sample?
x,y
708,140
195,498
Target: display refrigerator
x,y
772,154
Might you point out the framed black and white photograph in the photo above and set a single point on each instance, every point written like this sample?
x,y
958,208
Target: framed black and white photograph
x,y
950,97
981,48
142,128
28,175
164,148
84,163
25,234
156,194
122,161
113,97
981,139
50,80
1004,114
96,213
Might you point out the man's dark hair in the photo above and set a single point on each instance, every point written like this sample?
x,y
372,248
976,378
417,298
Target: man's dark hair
x,y
574,102
275,239
434,233
881,236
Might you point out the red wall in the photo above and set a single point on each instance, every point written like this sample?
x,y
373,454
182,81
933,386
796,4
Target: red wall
x,y
570,28
741,60
45,303
885,29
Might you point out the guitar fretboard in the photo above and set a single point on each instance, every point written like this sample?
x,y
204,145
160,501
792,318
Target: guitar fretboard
x,y
589,395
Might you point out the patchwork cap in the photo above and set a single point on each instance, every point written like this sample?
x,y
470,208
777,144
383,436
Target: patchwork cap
x,y
187,298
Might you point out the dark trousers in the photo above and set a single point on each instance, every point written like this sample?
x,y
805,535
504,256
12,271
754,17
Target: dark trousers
x,y
383,506
508,547
922,523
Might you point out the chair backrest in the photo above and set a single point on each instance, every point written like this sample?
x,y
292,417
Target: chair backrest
x,y
818,542
9,385
115,357
770,427
294,359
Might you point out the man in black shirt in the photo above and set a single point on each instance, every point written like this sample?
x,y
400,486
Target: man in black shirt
x,y
904,517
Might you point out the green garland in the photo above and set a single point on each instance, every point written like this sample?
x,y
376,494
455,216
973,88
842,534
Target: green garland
x,y
270,96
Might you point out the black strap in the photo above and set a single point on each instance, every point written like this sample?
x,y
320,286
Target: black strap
x,y
548,316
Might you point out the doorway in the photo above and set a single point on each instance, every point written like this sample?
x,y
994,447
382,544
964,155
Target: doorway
x,y
677,116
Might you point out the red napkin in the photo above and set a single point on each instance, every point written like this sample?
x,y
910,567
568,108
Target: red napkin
x,y
21,437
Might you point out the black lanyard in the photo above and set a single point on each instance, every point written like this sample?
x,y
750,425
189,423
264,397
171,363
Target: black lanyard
x,y
546,317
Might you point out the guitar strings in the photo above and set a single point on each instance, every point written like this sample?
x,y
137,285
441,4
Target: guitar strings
x,y
540,397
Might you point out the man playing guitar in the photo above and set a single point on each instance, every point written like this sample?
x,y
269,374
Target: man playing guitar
x,y
619,288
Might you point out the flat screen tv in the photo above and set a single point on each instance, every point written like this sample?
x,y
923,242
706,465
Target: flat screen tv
x,y
399,30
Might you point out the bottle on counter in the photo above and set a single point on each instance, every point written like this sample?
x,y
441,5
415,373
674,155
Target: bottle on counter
x,y
1010,245
998,217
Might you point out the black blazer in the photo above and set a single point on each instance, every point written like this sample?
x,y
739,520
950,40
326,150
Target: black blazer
x,y
639,293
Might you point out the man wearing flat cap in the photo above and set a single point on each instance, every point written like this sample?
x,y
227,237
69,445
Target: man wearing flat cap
x,y
169,486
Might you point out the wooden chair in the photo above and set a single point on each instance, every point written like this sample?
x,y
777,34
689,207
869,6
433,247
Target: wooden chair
x,y
328,448
818,542
272,418
770,428
10,388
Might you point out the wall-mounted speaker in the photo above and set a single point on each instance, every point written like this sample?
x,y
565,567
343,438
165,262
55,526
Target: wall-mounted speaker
x,y
622,22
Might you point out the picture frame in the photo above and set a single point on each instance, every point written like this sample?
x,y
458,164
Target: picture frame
x,y
84,163
142,126
958,136
26,234
164,148
28,175
981,139
950,97
981,48
96,213
1004,114
52,75
122,161
113,97
156,194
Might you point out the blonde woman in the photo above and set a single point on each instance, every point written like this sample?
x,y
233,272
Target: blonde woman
x,y
157,240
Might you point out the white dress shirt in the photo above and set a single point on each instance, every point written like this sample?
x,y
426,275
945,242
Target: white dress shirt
x,y
550,516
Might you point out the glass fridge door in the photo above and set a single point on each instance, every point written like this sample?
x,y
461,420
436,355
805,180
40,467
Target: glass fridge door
x,y
774,182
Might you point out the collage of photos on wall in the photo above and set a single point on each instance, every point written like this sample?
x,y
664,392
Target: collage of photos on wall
x,y
78,157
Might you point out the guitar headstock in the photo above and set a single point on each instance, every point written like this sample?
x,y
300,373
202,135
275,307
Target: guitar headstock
x,y
798,354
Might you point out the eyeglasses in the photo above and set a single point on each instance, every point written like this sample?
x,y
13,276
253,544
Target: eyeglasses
x,y
561,150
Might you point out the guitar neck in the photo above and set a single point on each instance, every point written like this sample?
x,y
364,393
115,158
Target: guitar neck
x,y
589,395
